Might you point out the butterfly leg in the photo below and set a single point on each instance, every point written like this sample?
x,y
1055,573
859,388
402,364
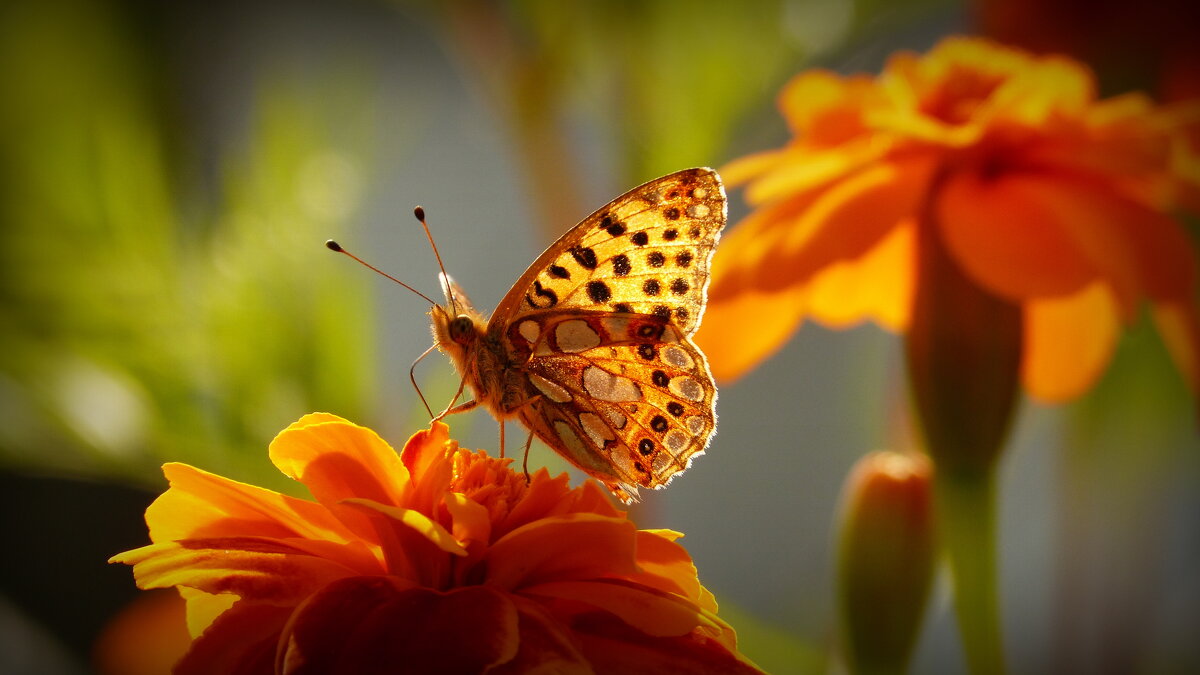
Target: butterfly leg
x,y
412,377
460,408
528,441
455,409
501,439
525,461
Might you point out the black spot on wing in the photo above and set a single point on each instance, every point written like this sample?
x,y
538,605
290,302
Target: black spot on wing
x,y
586,257
598,291
621,266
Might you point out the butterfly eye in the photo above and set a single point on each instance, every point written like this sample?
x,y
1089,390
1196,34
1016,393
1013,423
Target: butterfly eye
x,y
462,329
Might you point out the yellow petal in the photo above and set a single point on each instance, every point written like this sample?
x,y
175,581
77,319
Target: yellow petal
x,y
877,286
202,504
741,331
338,460
1068,342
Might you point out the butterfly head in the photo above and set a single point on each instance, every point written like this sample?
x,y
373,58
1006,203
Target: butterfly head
x,y
456,324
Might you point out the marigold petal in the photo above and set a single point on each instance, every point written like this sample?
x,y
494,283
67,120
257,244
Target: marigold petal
x,y
366,625
1049,233
242,641
650,610
471,522
314,418
1008,238
202,504
545,496
848,220
1068,342
203,608
427,458
547,644
1179,325
739,261
612,647
249,567
803,170
731,349
414,545
574,546
414,520
666,565
825,109
744,169
338,460
1117,137
877,286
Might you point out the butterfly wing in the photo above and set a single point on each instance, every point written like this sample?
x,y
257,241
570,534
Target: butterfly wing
x,y
646,252
629,398
602,322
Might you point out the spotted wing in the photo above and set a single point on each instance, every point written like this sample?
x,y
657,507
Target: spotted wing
x,y
626,398
647,252
599,325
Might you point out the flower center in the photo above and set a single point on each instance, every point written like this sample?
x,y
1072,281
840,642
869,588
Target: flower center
x,y
956,97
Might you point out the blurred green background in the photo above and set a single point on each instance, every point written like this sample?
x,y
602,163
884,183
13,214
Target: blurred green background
x,y
169,171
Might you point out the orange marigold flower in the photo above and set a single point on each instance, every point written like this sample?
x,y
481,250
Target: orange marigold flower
x,y
433,560
1045,196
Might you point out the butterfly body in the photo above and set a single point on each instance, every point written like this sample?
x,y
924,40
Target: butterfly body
x,y
591,348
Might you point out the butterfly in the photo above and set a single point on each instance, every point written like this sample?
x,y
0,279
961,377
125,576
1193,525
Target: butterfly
x,y
591,348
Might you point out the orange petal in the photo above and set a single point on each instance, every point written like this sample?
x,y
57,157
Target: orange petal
x,y
426,455
203,608
548,645
1179,325
249,567
612,647
799,170
751,166
242,641
201,504
647,609
1152,246
576,546
740,331
365,626
338,460
847,220
1137,249
545,496
1008,238
826,109
1044,234
667,566
739,261
415,547
471,522
877,286
1068,342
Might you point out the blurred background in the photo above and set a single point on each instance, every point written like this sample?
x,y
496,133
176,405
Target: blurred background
x,y
169,172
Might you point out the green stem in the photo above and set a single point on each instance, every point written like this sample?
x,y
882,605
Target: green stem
x,y
965,505
964,355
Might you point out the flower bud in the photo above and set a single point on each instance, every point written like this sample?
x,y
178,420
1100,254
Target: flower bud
x,y
885,559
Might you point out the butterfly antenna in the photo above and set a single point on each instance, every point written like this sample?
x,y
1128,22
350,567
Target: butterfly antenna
x,y
412,376
419,212
336,247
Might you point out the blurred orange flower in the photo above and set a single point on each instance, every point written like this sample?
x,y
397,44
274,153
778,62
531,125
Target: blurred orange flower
x,y
1044,196
434,560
